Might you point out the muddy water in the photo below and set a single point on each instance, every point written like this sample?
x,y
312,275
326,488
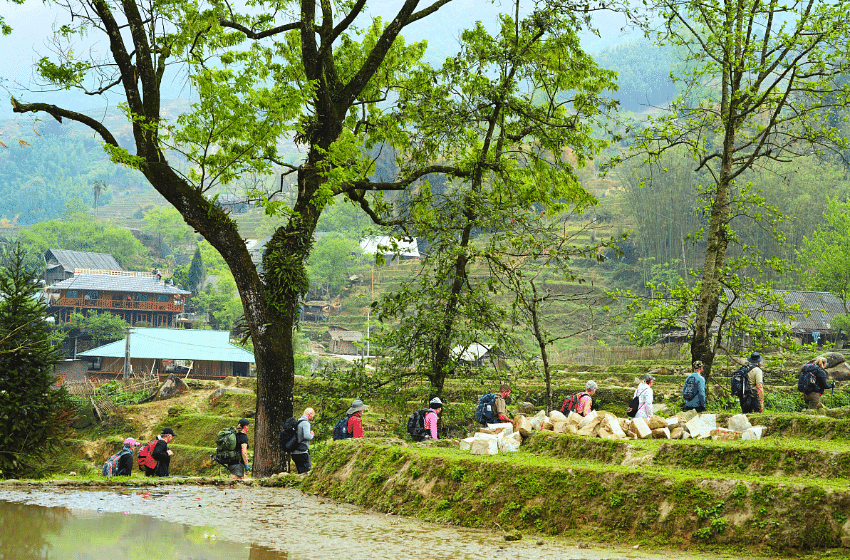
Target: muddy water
x,y
194,523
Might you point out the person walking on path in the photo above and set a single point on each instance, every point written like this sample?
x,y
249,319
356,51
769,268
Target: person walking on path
x,y
238,470
644,395
161,454
301,455
693,393
812,382
432,417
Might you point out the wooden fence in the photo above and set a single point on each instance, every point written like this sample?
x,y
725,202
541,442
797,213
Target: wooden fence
x,y
102,403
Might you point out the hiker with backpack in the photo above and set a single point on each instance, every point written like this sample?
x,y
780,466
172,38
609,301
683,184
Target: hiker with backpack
x,y
693,392
160,453
432,417
812,382
238,470
350,425
304,435
121,464
644,396
754,401
580,403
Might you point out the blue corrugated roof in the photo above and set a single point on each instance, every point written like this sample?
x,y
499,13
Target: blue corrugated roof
x,y
175,344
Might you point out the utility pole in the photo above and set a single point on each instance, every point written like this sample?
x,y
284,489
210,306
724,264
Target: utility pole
x,y
127,358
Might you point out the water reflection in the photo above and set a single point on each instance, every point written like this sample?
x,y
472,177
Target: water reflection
x,y
34,532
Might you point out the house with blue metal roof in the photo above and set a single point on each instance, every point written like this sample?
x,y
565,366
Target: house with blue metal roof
x,y
210,354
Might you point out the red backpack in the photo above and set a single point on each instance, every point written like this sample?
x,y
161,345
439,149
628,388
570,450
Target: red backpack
x,y
145,458
571,403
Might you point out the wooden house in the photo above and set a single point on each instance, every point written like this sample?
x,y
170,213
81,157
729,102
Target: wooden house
x,y
61,263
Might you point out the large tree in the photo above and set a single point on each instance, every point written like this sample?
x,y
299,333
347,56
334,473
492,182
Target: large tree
x,y
325,75
761,83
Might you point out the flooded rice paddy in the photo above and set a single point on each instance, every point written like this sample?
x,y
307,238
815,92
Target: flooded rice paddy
x,y
194,523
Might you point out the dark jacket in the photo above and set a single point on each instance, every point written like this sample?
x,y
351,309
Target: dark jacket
x,y
163,459
125,463
820,378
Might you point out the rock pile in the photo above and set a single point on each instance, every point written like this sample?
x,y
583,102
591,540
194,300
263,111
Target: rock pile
x,y
685,425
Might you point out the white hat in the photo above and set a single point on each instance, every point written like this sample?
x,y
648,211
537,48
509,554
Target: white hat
x,y
436,403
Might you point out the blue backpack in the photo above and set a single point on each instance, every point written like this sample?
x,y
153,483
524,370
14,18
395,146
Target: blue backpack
x,y
110,467
485,412
341,429
691,388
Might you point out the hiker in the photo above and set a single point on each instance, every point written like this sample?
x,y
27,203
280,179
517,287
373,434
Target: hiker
x,y
125,463
350,425
301,454
693,392
499,405
237,470
812,382
161,454
432,417
585,401
644,396
756,378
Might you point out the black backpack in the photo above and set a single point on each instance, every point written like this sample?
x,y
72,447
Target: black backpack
x,y
289,435
739,383
807,380
416,425
485,411
571,403
691,388
341,429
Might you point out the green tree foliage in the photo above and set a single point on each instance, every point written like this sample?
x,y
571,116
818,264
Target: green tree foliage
x,y
334,259
34,417
167,222
197,272
759,86
519,157
80,232
220,301
103,327
826,253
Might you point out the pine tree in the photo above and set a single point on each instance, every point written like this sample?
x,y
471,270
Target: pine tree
x,y
32,414
197,273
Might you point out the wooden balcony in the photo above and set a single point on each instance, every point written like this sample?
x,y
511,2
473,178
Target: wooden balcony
x,y
119,304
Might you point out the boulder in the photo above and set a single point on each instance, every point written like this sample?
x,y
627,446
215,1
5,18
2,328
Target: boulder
x,y
466,444
722,434
839,372
693,426
509,443
485,435
685,435
591,419
661,433
522,425
656,422
590,430
546,424
559,426
739,423
484,446
557,416
677,432
526,407
575,418
505,427
640,428
612,425
707,423
673,421
172,387
537,420
570,428
754,433
687,415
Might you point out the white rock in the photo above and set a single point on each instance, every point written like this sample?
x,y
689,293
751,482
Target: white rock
x,y
612,425
485,435
484,447
546,424
661,433
590,419
575,418
693,426
559,426
673,421
641,428
510,443
556,416
739,423
707,422
753,433
466,444
501,427
522,425
537,420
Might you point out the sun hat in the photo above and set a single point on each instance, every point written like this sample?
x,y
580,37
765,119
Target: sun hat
x,y
754,358
356,406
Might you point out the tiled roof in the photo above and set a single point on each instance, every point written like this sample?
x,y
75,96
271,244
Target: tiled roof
x,y
175,344
82,259
117,283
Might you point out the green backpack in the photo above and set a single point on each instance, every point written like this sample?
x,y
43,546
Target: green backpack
x,y
225,447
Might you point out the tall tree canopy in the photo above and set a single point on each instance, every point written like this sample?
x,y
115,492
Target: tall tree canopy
x,y
762,82
327,76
